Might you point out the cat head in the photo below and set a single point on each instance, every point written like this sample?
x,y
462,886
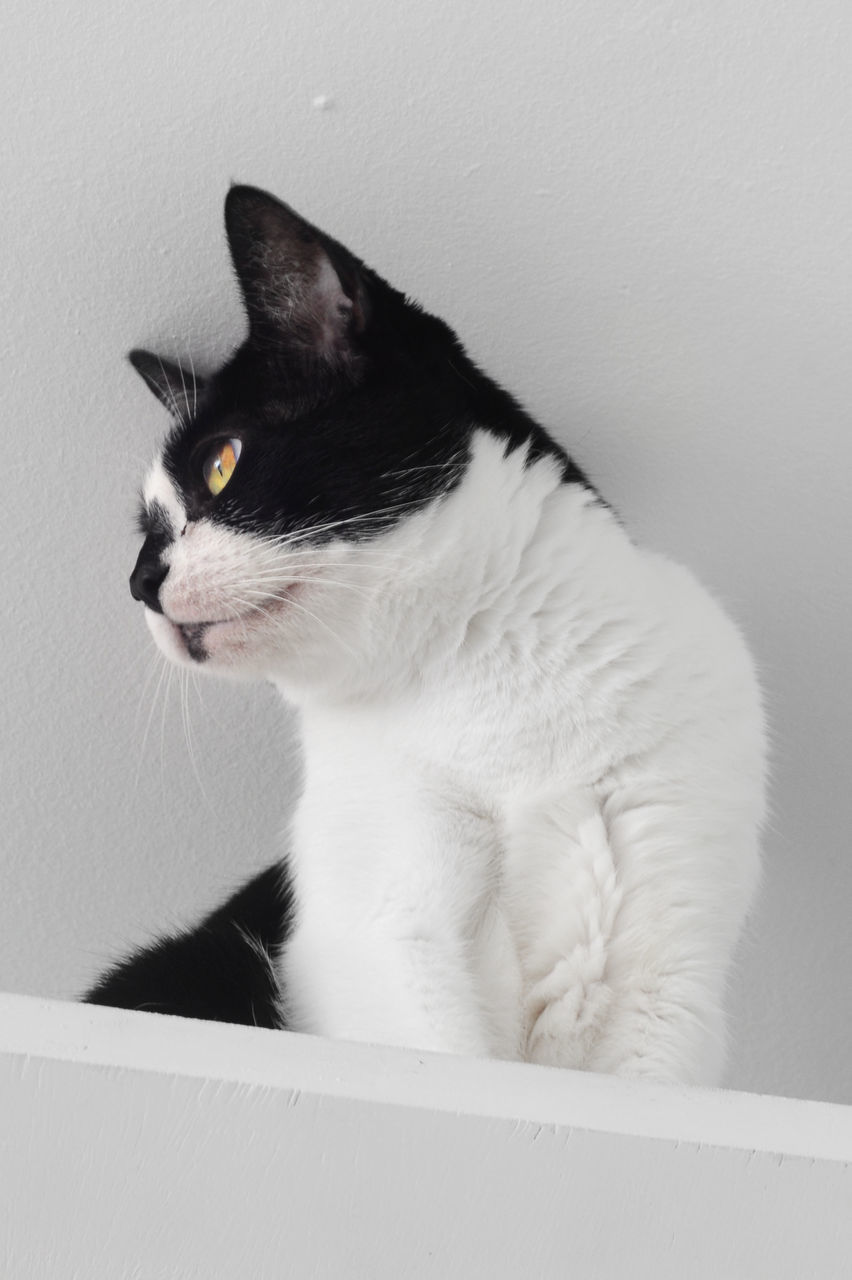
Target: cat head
x,y
287,518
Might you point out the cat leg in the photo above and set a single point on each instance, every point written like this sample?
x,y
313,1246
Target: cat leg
x,y
563,893
687,878
386,894
625,973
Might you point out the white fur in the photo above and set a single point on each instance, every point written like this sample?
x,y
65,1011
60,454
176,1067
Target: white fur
x,y
534,773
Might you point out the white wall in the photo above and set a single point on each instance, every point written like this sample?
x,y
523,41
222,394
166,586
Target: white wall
x,y
638,215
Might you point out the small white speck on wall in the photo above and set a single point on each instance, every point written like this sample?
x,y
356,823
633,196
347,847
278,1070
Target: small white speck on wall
x,y
322,102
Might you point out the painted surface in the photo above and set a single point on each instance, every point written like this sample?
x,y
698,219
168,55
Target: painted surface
x,y
229,1152
638,215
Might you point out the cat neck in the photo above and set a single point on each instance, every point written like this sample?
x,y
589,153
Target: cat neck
x,y
497,566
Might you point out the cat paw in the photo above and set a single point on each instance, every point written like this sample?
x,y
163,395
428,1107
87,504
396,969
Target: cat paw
x,y
565,1013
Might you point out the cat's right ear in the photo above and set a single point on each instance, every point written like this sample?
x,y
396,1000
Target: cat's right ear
x,y
176,388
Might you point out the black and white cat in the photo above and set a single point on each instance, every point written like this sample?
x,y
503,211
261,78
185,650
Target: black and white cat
x,y
534,753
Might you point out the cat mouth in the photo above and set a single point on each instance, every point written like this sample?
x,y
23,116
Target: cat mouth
x,y
195,635
253,613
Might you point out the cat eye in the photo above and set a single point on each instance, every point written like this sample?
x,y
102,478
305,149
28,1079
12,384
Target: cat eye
x,y
219,466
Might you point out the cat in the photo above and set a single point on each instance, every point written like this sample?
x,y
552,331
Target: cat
x,y
534,752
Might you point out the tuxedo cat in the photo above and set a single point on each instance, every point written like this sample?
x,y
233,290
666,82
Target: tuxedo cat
x,y
534,752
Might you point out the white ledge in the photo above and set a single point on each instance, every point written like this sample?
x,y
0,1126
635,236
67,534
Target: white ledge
x,y
406,1078
248,1146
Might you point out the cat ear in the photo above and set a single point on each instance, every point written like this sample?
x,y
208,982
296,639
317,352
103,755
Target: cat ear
x,y
300,287
175,387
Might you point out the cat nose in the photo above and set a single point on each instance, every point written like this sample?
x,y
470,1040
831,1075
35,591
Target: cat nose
x,y
147,578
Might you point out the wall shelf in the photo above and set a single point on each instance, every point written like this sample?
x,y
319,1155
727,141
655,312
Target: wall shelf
x,y
135,1145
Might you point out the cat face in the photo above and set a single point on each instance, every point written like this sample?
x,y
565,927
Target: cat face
x,y
292,507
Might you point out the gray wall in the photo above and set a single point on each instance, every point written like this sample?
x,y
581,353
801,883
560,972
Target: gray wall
x,y
637,215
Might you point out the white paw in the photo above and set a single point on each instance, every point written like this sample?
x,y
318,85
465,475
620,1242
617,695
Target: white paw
x,y
565,1013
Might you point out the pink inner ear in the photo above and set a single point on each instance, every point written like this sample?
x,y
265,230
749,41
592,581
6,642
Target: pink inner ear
x,y
332,307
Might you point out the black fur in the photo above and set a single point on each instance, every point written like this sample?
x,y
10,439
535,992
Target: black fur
x,y
213,971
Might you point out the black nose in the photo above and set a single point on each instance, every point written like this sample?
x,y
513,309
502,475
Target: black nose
x,y
147,577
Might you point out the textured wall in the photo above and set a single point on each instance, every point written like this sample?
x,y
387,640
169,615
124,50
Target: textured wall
x,y
638,215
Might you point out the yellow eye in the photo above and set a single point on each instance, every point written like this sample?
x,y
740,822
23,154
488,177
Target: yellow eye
x,y
219,467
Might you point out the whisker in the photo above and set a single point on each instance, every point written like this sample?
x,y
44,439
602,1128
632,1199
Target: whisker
x,y
187,730
458,457
194,386
256,584
154,662
454,465
170,676
160,664
170,395
361,553
185,392
297,605
364,518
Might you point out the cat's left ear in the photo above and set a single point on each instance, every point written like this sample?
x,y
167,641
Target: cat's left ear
x,y
178,389
301,288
